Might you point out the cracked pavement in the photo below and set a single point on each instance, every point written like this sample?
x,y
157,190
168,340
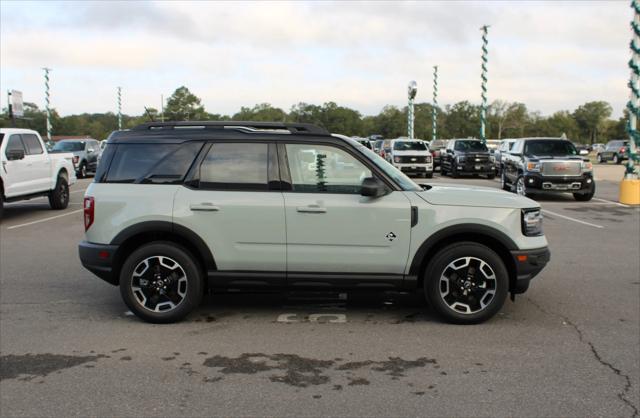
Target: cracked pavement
x,y
569,347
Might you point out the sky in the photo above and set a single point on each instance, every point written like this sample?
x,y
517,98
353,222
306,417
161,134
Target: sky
x,y
549,55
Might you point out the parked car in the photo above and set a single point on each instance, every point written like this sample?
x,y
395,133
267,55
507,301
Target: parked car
x,y
29,170
364,141
437,146
467,156
85,154
582,149
547,165
411,156
377,146
615,151
177,212
504,147
598,147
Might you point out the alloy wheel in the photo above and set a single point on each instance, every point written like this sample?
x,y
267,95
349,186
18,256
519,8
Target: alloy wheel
x,y
159,284
520,187
468,285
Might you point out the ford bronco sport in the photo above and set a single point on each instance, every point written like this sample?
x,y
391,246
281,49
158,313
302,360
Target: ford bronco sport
x,y
179,209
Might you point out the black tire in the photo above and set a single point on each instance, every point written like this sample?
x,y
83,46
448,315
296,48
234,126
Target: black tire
x,y
503,182
588,196
436,272
520,181
443,171
59,196
82,170
491,176
454,172
616,159
193,289
599,159
1,205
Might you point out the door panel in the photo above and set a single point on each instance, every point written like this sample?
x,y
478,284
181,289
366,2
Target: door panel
x,y
16,171
233,210
331,228
38,163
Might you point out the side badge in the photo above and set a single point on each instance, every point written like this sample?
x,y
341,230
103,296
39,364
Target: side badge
x,y
390,236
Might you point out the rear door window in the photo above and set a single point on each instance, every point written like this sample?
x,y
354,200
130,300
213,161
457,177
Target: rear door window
x,y
32,143
236,166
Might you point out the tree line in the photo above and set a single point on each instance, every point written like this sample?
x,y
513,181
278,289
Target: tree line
x,y
589,123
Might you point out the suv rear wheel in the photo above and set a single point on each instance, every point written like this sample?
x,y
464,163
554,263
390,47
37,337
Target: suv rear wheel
x,y
161,282
585,197
466,283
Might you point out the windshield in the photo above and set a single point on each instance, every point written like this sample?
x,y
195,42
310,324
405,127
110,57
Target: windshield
x,y
470,146
438,143
405,182
550,147
68,146
409,146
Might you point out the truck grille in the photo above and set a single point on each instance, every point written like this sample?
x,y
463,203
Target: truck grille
x,y
561,168
408,159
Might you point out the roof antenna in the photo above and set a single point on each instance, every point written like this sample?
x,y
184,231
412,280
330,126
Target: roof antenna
x,y
149,114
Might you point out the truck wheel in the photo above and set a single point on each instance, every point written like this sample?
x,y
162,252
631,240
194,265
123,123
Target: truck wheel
x,y
491,176
59,196
503,182
616,159
82,171
466,283
521,188
161,282
587,196
599,159
454,172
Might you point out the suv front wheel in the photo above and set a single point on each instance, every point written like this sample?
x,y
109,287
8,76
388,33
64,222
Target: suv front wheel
x,y
161,282
466,283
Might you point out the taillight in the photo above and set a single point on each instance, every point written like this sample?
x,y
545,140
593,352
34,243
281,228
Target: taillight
x,y
89,210
623,150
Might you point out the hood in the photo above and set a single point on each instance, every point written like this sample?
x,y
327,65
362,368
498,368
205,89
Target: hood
x,y
555,157
451,195
419,153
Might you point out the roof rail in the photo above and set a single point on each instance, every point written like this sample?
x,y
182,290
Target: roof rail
x,y
257,127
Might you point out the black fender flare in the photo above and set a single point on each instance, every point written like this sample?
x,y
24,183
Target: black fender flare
x,y
168,228
473,231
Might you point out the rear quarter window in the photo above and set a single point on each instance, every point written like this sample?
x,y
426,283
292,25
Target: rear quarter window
x,y
147,163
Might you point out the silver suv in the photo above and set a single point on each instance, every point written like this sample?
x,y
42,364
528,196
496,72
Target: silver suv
x,y
180,209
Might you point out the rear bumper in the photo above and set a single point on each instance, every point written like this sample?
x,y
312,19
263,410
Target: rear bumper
x,y
98,259
528,264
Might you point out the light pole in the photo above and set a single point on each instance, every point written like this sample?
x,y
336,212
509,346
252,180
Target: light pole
x,y
483,108
47,101
630,184
411,91
434,108
119,108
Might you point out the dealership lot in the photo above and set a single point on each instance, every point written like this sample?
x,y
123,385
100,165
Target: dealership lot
x,y
568,347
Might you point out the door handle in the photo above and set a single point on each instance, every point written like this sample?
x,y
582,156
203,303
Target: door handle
x,y
311,209
204,207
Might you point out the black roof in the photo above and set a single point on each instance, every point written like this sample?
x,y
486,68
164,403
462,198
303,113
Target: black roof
x,y
175,132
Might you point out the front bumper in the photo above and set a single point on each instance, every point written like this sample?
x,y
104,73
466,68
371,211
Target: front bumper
x,y
415,168
475,167
537,183
528,263
99,259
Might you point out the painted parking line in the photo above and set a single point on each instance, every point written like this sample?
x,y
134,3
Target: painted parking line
x,y
45,219
611,202
572,219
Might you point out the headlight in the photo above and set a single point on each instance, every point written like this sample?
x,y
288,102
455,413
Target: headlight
x,y
396,159
460,158
533,166
587,166
532,222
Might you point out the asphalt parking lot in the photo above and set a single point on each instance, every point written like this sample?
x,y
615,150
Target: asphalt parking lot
x,y
568,347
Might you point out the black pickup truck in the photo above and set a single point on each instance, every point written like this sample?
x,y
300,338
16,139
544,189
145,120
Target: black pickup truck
x,y
547,165
467,156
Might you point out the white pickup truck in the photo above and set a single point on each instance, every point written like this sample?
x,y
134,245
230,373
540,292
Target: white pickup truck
x,y
28,170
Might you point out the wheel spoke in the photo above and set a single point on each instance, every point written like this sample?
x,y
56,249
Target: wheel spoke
x,y
159,284
468,285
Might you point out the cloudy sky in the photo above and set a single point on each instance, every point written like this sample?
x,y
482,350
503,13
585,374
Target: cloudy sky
x,y
549,55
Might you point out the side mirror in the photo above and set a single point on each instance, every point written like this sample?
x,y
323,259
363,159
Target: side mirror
x,y
15,154
373,187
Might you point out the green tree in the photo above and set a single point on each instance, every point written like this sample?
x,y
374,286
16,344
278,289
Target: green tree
x,y
463,120
591,117
263,112
184,105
